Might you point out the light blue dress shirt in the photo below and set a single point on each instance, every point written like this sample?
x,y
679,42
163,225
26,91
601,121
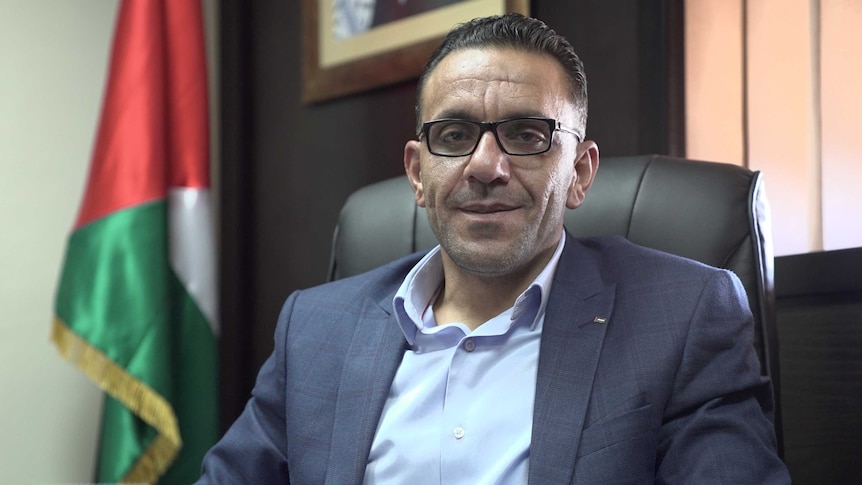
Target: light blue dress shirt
x,y
460,409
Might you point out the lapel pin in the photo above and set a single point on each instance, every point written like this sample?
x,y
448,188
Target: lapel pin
x,y
600,320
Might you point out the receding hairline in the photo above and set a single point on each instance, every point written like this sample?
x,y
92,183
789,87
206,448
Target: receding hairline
x,y
571,89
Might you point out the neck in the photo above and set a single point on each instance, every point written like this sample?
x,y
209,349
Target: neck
x,y
473,299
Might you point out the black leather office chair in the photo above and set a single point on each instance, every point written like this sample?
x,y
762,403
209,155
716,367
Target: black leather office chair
x,y
711,212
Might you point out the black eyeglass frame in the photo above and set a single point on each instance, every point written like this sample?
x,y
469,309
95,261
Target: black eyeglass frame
x,y
553,126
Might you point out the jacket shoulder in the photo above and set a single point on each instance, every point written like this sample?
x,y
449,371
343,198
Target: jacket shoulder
x,y
376,283
619,252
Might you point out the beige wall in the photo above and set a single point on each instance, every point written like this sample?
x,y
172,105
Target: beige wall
x,y
774,85
53,65
53,56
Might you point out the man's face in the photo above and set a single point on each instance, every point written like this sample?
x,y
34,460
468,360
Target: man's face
x,y
496,214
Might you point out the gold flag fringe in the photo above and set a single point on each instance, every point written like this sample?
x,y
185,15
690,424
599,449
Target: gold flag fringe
x,y
136,395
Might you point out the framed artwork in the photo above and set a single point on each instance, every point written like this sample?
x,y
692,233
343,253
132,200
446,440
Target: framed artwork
x,y
351,46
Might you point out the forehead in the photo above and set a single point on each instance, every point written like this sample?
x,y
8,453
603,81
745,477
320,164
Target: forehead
x,y
496,82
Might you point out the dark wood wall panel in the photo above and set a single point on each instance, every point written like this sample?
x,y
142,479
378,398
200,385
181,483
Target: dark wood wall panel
x,y
821,371
819,310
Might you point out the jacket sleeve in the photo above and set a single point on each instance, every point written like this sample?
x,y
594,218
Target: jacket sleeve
x,y
254,449
717,425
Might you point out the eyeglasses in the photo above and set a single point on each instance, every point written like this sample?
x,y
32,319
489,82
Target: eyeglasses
x,y
516,136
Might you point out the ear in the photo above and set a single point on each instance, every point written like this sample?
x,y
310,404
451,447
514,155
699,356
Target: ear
x,y
586,166
414,172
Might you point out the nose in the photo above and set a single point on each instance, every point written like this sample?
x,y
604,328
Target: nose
x,y
488,163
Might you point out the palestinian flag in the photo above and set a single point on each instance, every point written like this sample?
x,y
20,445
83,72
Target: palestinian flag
x,y
136,308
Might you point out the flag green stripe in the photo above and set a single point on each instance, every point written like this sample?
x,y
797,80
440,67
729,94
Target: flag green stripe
x,y
114,290
193,396
118,293
195,388
133,393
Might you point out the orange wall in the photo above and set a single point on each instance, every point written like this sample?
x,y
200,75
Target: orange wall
x,y
776,85
841,123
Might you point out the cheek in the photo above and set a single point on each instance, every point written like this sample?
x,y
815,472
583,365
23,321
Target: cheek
x,y
557,185
437,183
556,192
431,191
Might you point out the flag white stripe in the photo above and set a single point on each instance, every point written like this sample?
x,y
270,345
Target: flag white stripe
x,y
192,247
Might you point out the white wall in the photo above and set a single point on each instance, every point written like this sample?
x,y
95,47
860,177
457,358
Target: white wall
x,y
53,66
53,60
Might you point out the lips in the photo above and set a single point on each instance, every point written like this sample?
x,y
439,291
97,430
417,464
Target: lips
x,y
487,208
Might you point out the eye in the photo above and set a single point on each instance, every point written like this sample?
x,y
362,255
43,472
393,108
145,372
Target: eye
x,y
455,133
525,132
527,136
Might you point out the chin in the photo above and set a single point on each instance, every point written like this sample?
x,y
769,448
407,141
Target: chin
x,y
486,259
486,268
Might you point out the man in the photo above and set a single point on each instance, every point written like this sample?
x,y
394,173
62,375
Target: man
x,y
512,353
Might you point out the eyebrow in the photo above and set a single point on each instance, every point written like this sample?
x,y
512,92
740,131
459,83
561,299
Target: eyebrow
x,y
459,114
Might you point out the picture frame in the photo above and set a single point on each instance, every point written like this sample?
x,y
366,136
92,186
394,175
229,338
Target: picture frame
x,y
337,66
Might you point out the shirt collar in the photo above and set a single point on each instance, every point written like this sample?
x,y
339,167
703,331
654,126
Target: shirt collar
x,y
421,284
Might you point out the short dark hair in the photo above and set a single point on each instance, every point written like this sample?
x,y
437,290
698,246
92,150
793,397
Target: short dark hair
x,y
513,31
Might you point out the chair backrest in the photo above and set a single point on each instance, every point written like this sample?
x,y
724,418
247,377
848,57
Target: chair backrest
x,y
711,212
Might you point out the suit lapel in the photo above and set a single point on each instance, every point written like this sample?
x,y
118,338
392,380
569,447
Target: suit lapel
x,y
369,368
572,336
570,348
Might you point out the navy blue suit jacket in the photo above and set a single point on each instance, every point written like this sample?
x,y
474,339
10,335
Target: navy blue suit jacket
x,y
663,387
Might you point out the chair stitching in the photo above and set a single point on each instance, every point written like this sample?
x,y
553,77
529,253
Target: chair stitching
x,y
637,196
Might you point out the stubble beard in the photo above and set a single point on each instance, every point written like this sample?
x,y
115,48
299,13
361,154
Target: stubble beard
x,y
477,258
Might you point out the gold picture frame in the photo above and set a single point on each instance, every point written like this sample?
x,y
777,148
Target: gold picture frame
x,y
393,52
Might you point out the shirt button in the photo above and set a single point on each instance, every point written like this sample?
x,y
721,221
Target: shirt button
x,y
458,432
469,345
